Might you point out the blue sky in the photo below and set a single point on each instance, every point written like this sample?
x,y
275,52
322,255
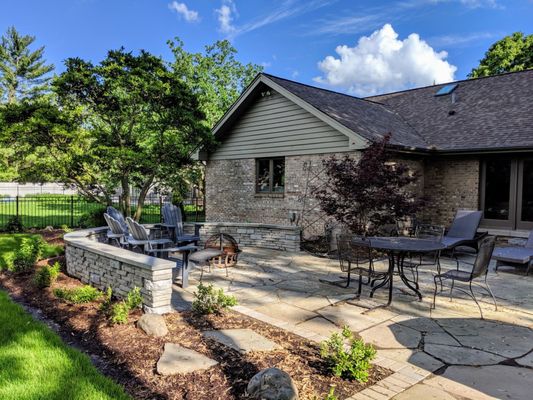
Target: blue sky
x,y
359,47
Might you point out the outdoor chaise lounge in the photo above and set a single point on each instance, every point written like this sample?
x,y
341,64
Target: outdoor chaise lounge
x,y
463,231
515,256
478,269
173,221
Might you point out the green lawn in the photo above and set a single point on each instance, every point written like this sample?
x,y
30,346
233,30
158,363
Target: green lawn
x,y
9,243
36,365
57,210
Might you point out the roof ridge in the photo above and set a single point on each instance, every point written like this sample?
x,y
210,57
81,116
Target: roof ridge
x,y
446,83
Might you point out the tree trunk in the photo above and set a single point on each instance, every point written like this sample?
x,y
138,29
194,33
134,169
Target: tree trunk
x,y
142,197
126,196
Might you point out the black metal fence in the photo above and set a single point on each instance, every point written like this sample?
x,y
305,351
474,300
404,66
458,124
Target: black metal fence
x,y
39,211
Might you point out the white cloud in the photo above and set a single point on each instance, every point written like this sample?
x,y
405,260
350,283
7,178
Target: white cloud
x,y
183,10
226,15
381,63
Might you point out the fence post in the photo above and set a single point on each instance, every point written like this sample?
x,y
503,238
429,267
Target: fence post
x,y
160,207
17,206
72,211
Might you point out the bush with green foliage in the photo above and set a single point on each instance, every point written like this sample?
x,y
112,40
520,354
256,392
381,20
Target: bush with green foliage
x,y
108,298
82,294
119,312
28,254
208,300
47,275
93,218
351,362
14,225
331,395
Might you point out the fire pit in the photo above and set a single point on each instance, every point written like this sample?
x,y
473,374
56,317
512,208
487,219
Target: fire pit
x,y
228,245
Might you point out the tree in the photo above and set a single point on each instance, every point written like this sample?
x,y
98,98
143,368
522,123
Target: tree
x,y
510,54
216,76
23,72
368,191
129,122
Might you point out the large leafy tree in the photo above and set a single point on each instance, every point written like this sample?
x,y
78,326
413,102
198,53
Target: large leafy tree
x,y
510,54
216,76
23,72
368,193
128,122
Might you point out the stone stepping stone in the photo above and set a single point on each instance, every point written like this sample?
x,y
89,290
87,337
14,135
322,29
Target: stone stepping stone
x,y
453,355
526,361
180,360
414,357
391,335
242,340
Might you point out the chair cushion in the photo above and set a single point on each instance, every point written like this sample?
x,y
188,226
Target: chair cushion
x,y
465,224
519,255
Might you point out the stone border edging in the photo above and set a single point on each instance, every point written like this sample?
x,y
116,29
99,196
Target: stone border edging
x,y
404,374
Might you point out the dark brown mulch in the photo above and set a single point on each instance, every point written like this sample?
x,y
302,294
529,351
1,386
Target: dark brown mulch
x,y
129,356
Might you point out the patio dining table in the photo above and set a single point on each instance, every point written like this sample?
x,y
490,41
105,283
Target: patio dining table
x,y
397,249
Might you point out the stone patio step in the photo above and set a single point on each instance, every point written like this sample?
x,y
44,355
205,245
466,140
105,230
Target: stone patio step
x,y
180,360
242,340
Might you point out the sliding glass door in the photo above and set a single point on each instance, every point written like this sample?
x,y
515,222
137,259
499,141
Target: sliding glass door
x,y
507,193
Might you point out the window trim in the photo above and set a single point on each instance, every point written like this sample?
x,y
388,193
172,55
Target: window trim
x,y
270,176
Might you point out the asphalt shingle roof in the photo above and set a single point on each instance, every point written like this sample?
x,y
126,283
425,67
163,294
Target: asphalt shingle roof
x,y
487,113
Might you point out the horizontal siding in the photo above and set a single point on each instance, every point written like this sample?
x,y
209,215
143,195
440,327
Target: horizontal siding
x,y
275,126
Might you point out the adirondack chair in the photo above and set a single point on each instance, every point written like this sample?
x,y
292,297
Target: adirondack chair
x,y
515,256
115,232
117,215
173,221
140,237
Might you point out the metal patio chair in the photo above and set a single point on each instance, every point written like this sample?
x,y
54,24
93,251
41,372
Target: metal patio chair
x,y
173,221
463,231
478,269
356,256
428,232
140,237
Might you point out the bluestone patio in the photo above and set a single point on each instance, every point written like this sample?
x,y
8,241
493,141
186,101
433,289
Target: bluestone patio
x,y
445,353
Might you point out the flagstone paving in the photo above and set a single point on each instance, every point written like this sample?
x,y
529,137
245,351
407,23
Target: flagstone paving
x,y
471,358
242,340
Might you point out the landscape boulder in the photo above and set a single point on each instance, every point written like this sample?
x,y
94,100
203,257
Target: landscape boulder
x,y
153,325
272,384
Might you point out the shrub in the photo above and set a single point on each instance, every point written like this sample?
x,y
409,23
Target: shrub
x,y
14,225
28,254
352,362
108,298
93,218
134,299
331,395
82,294
120,313
208,300
47,275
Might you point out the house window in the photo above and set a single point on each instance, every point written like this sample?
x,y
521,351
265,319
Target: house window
x,y
270,175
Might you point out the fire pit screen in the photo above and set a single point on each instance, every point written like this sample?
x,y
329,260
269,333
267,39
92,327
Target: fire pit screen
x,y
228,245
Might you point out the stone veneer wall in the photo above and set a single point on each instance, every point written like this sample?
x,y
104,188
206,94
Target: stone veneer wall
x,y
231,197
450,183
102,265
275,237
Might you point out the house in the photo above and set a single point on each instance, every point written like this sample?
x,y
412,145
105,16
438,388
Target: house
x,y
471,141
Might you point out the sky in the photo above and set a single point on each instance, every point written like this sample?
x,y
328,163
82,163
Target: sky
x,y
360,47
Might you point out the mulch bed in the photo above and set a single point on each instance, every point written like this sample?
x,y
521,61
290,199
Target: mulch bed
x,y
129,356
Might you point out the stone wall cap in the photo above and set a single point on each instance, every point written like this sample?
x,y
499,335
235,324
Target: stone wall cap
x,y
248,225
81,240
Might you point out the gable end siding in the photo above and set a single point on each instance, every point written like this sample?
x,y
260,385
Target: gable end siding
x,y
275,126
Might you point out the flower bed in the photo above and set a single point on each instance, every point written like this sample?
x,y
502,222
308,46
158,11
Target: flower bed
x,y
129,356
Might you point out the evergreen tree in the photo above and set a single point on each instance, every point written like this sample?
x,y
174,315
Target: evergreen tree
x,y
23,72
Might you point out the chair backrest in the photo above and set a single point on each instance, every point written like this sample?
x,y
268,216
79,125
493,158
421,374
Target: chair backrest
x,y
172,216
481,264
353,251
113,224
431,232
117,215
465,224
529,243
138,232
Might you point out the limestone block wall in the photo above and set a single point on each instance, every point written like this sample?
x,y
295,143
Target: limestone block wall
x,y
102,266
277,237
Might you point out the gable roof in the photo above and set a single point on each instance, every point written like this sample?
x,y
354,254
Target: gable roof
x,y
483,114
